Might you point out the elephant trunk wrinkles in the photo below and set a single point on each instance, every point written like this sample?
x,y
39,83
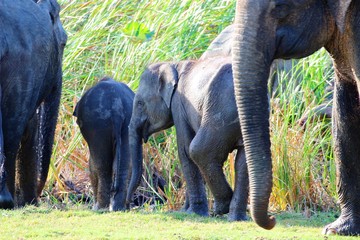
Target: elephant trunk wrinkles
x,y
251,71
135,143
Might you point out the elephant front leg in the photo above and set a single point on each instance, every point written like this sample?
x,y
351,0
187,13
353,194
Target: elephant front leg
x,y
195,192
346,132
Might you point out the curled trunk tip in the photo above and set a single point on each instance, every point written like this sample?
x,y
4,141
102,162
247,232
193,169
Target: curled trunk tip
x,y
266,222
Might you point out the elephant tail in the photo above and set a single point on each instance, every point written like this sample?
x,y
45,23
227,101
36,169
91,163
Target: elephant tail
x,y
117,154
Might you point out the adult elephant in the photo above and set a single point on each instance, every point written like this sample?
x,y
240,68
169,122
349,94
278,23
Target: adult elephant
x,y
31,46
269,29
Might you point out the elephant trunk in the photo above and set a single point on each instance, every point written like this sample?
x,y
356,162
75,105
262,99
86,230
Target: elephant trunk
x,y
251,71
136,155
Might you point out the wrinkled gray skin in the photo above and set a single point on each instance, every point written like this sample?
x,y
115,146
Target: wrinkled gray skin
x,y
103,115
269,29
198,98
222,46
31,46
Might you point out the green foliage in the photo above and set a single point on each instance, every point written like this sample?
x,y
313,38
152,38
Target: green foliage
x,y
138,30
303,165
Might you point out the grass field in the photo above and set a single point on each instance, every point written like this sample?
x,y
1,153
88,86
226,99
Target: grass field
x,y
78,222
119,39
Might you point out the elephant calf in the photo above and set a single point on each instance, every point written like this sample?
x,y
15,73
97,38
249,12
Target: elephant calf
x,y
103,115
198,98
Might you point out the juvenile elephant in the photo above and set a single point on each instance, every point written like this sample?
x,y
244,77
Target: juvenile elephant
x,y
269,29
103,115
198,98
31,44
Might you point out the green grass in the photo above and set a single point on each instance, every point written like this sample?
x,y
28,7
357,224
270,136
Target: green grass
x,y
78,222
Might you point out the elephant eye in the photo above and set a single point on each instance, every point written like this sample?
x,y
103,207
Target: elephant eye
x,y
280,11
140,103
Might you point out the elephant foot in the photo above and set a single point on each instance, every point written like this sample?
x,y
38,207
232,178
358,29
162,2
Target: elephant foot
x,y
117,204
238,208
237,216
185,207
198,208
23,203
95,207
201,212
344,225
6,200
114,206
221,207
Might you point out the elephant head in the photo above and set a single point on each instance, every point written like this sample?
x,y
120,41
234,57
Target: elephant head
x,y
266,30
151,113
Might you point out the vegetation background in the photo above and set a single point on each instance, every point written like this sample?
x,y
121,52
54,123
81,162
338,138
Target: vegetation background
x,y
120,38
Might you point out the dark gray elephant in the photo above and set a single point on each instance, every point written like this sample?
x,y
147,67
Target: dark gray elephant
x,y
198,98
31,46
103,115
266,30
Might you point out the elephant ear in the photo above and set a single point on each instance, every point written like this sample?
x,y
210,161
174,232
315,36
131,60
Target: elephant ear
x,y
338,10
168,79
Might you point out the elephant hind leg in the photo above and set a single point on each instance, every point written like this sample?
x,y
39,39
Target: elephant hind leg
x,y
240,197
47,117
104,191
94,183
101,160
6,199
210,154
27,165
